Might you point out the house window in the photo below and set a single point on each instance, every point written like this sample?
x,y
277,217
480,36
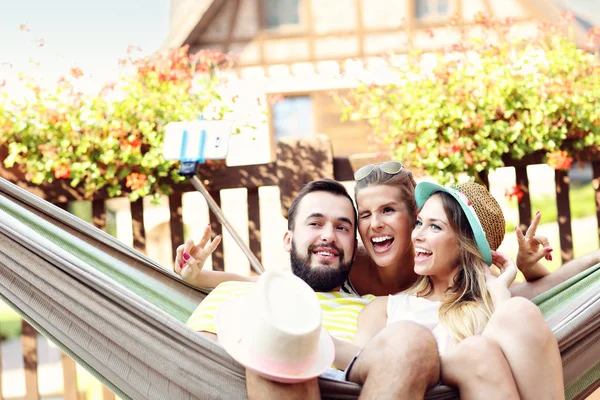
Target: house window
x,y
281,12
293,116
432,8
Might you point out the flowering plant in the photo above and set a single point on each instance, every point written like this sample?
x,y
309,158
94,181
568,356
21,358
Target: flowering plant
x,y
112,140
500,92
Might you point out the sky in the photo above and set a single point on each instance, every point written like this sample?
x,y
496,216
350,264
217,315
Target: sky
x,y
89,34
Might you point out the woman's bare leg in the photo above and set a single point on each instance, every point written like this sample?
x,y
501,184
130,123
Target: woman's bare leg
x,y
478,368
530,348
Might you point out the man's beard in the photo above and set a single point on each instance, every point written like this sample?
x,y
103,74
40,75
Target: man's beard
x,y
320,278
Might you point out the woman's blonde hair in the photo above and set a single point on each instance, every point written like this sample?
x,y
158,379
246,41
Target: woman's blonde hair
x,y
402,180
467,305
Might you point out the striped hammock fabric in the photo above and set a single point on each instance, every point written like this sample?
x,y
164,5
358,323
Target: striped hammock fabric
x,y
121,315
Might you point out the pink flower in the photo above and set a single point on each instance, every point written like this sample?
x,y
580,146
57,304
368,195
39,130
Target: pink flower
x,y
567,16
76,72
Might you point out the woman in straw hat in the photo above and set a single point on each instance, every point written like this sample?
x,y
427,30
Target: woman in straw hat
x,y
470,311
385,198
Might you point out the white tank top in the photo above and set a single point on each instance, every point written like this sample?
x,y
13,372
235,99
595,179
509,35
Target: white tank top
x,y
408,307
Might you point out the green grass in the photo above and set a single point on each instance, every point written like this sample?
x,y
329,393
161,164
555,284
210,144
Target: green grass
x,y
10,322
581,198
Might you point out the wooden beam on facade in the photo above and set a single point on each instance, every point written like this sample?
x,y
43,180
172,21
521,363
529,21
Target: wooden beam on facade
x,y
232,21
488,8
341,34
411,20
459,11
213,10
262,22
345,34
360,27
310,31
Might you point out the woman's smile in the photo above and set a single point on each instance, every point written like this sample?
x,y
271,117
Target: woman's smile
x,y
384,224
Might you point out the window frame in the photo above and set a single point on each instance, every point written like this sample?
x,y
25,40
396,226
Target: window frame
x,y
301,26
433,5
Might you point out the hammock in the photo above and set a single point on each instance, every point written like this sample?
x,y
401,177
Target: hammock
x,y
122,316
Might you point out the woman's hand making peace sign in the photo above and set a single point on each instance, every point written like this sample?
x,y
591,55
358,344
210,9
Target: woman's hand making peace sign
x,y
532,248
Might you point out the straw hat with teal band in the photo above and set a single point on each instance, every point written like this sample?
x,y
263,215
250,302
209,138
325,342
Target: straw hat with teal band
x,y
481,208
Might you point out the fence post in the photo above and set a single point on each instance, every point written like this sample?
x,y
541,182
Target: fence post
x,y
176,222
29,344
596,186
525,202
99,214
254,223
1,366
218,258
137,224
69,377
564,214
107,394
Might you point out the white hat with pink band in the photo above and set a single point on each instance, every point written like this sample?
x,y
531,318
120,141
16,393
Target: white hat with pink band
x,y
276,331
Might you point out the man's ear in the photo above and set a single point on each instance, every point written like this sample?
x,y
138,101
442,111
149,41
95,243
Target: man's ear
x,y
287,241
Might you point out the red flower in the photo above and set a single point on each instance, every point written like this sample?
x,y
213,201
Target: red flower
x,y
133,143
559,160
514,192
136,181
469,158
62,171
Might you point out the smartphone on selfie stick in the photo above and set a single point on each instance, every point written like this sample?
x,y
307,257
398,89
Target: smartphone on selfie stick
x,y
194,142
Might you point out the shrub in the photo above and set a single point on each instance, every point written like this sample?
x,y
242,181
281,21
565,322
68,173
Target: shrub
x,y
464,107
111,140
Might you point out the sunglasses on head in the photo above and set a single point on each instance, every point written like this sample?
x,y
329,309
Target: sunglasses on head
x,y
389,167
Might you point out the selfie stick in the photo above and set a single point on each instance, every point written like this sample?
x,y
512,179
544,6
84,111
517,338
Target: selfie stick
x,y
188,169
